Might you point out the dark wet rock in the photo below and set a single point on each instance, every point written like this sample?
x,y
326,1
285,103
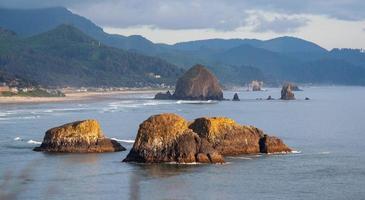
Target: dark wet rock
x,y
272,144
170,138
307,98
78,137
164,96
286,92
235,97
270,98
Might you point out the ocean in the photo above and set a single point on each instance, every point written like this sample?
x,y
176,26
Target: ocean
x,y
327,133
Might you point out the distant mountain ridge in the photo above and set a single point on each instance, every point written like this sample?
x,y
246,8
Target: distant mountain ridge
x,y
235,61
65,56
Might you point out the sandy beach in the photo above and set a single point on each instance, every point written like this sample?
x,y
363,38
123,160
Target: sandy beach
x,y
73,96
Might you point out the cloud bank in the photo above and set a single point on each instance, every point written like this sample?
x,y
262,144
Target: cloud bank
x,y
289,15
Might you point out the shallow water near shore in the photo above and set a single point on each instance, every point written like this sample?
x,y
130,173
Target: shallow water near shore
x,y
327,132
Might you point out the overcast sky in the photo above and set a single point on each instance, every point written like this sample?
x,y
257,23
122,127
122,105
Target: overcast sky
x,y
330,23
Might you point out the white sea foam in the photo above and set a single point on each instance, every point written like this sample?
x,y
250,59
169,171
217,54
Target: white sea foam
x,y
196,102
296,152
17,138
33,142
240,157
192,163
125,141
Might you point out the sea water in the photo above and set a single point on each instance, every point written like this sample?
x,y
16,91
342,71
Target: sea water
x,y
327,133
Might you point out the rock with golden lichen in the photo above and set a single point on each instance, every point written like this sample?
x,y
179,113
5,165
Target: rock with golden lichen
x,y
167,138
230,138
78,137
170,138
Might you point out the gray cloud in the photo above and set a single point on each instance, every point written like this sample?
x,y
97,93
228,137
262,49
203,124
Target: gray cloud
x,y
198,14
278,24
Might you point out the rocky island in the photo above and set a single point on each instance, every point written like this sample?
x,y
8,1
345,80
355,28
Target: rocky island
x,y
171,138
78,137
286,92
198,83
235,97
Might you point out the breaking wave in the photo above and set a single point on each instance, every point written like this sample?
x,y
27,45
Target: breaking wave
x,y
196,102
125,141
33,142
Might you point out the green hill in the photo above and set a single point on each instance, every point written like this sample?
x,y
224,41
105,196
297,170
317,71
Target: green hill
x,y
65,56
235,61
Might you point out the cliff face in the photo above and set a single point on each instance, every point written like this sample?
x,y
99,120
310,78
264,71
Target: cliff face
x,y
170,138
81,136
198,83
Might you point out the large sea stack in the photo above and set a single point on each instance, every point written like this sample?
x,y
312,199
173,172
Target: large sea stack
x,y
167,138
198,83
78,137
170,138
286,92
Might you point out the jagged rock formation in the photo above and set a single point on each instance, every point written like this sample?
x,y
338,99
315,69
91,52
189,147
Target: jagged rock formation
x,y
78,137
198,83
170,138
235,97
286,92
164,96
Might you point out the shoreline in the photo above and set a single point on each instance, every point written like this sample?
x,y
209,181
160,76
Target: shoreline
x,y
73,96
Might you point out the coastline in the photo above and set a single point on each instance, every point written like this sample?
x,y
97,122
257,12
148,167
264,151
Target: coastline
x,y
74,96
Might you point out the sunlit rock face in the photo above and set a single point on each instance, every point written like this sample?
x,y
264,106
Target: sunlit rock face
x,y
78,137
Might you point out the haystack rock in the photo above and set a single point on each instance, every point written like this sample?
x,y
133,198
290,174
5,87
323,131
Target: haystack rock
x,y
198,83
170,138
235,97
78,137
286,92
167,138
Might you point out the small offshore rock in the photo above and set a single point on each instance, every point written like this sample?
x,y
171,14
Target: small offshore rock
x,y
164,96
235,97
286,92
256,85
